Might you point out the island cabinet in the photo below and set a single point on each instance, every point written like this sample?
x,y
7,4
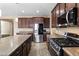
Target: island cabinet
x,y
23,49
17,52
27,46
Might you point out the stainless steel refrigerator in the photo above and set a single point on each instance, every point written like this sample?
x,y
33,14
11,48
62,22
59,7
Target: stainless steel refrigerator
x,y
38,32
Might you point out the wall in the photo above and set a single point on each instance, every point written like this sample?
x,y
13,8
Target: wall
x,y
6,27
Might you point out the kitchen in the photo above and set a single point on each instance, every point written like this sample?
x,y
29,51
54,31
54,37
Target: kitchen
x,y
23,36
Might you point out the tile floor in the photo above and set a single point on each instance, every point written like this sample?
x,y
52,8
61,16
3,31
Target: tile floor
x,y
39,49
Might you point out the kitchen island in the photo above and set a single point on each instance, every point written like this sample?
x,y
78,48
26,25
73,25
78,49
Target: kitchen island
x,y
15,45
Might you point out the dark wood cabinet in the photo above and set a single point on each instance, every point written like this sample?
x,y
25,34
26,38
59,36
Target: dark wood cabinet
x,y
70,6
38,19
19,23
78,14
27,46
46,22
24,49
29,22
57,10
54,21
62,8
17,52
22,23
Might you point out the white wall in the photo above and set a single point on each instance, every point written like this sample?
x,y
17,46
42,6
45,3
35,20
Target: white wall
x,y
15,26
6,27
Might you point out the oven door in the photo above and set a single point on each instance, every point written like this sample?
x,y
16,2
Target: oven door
x,y
51,50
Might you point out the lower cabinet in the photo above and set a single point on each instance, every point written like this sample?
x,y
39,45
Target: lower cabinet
x,y
27,46
24,49
17,52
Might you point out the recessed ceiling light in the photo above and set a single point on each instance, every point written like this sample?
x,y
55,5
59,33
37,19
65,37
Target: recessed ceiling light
x,y
37,11
23,11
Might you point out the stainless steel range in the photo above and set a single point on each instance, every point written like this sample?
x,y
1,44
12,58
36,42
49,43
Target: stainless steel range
x,y
57,44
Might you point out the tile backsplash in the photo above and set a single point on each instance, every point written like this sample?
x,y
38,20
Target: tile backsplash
x,y
62,30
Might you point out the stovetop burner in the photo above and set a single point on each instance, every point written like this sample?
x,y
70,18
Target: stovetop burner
x,y
63,42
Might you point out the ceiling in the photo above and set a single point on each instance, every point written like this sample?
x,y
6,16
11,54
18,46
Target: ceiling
x,y
26,9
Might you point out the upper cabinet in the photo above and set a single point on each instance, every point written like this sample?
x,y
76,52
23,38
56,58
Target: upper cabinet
x,y
53,18
62,8
19,23
78,14
70,6
29,22
46,22
25,22
38,19
57,11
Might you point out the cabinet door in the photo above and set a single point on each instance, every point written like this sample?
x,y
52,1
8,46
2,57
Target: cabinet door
x,y
62,8
17,52
30,23
24,49
78,14
69,6
46,22
19,23
38,19
23,23
27,46
57,11
54,18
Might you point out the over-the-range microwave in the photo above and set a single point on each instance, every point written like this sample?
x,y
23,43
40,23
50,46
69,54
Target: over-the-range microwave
x,y
71,16
68,18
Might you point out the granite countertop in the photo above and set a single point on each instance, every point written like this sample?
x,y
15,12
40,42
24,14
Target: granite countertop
x,y
72,51
9,44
